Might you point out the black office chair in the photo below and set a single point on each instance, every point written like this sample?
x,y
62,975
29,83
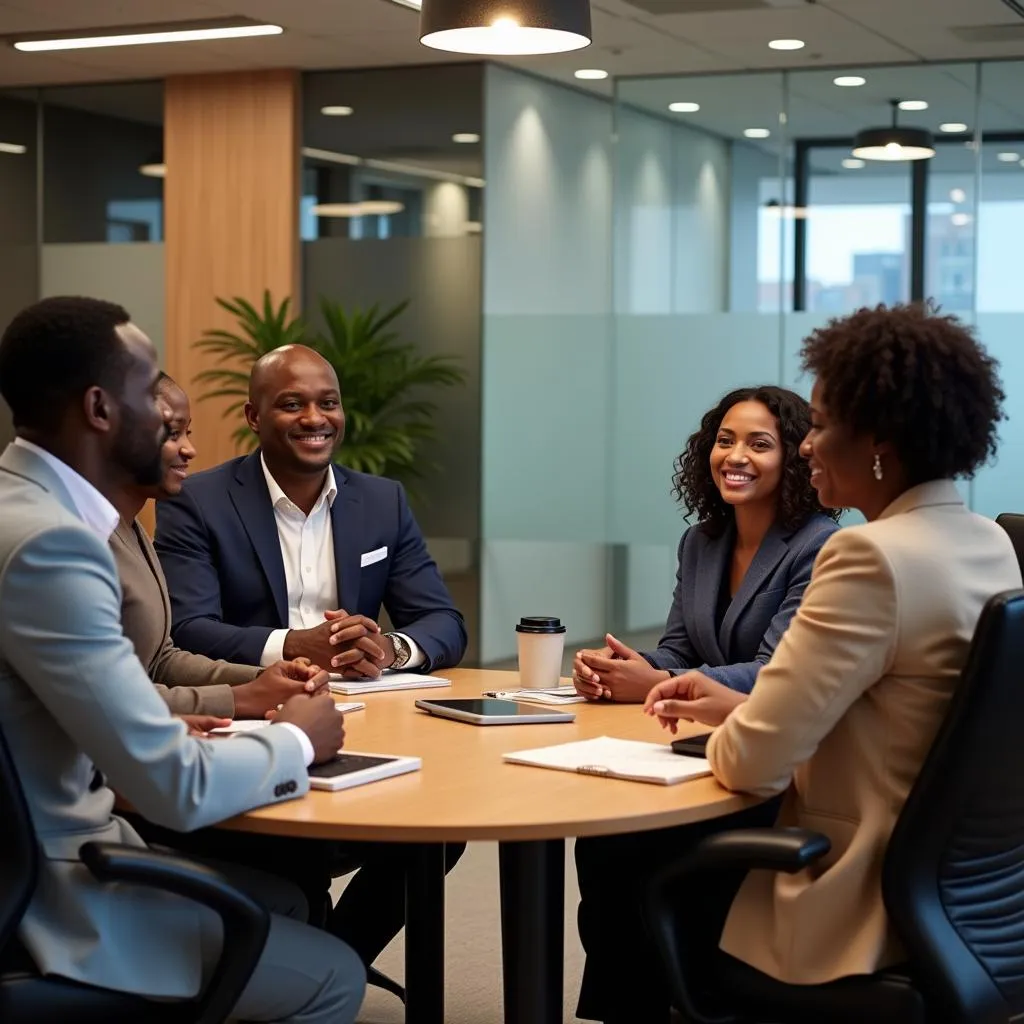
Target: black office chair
x,y
1013,524
26,996
953,878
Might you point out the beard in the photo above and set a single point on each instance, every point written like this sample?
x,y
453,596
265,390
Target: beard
x,y
138,449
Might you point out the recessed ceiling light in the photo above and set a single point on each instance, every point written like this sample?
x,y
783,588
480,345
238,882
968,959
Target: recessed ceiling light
x,y
153,170
13,147
960,220
913,104
952,127
684,108
184,35
367,208
466,137
849,81
594,74
786,44
852,163
1008,158
957,195
337,111
756,133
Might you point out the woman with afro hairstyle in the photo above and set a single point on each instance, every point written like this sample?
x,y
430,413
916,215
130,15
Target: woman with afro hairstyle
x,y
904,403
744,566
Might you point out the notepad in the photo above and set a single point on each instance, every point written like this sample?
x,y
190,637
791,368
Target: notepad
x,y
552,695
248,724
388,681
616,759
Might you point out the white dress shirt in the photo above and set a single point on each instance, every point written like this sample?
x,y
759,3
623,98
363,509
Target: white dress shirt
x,y
102,518
311,579
93,509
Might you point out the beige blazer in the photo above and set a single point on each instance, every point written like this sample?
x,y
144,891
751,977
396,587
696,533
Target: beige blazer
x,y
843,716
189,683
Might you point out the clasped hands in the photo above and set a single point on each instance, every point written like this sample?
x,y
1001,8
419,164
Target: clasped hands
x,y
349,644
619,673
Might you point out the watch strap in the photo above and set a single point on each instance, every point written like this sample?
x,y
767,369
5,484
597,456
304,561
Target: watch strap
x,y
402,650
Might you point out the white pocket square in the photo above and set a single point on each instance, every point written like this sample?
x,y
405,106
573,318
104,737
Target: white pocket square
x,y
372,556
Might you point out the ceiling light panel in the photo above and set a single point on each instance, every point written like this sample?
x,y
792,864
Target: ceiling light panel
x,y
141,35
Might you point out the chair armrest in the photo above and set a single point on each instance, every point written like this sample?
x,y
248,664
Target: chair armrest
x,y
771,849
246,923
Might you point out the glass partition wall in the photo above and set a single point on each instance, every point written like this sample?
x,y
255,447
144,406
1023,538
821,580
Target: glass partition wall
x,y
763,224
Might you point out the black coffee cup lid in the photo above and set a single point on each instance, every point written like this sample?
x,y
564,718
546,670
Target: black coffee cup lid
x,y
540,624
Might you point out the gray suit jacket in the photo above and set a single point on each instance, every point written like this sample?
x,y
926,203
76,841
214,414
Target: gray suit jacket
x,y
757,615
74,701
190,683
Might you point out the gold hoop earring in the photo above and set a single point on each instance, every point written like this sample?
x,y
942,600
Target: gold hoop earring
x,y
876,467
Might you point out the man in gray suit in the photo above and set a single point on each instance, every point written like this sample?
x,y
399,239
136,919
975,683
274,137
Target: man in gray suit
x,y
79,711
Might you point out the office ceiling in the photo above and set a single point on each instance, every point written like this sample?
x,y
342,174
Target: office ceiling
x,y
638,38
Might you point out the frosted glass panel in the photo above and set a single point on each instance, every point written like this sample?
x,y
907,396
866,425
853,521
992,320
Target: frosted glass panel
x,y
1000,487
668,372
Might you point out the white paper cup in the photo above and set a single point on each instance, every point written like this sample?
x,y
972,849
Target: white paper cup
x,y
541,642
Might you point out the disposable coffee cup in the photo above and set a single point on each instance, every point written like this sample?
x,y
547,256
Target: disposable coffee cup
x,y
541,641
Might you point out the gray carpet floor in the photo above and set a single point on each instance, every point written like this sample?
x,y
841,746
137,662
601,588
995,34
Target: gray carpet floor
x,y
473,993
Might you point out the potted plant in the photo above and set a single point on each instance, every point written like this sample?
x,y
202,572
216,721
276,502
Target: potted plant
x,y
385,384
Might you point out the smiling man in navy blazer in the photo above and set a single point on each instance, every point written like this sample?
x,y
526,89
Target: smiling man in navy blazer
x,y
282,551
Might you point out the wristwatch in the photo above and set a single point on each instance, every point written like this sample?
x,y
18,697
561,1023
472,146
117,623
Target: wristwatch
x,y
403,652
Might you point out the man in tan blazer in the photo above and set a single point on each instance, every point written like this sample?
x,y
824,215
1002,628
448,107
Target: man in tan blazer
x,y
846,711
195,685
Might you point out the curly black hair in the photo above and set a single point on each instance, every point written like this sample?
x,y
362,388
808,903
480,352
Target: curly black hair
x,y
695,489
916,379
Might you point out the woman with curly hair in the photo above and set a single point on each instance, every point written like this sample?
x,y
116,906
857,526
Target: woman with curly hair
x,y
905,402
742,571
744,566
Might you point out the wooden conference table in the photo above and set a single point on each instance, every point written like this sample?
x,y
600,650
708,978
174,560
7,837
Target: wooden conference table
x,y
466,792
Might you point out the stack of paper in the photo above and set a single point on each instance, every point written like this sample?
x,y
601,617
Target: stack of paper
x,y
388,681
248,724
616,759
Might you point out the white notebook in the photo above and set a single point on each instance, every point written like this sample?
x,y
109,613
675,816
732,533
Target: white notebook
x,y
248,724
388,681
551,695
616,759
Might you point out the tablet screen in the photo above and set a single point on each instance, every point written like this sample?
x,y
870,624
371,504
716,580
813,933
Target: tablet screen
x,y
490,706
345,764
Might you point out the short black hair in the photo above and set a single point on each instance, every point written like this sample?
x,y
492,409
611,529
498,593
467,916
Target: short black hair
x,y
916,379
54,351
694,486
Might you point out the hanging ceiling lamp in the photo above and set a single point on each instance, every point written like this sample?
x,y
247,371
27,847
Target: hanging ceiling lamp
x,y
505,27
894,143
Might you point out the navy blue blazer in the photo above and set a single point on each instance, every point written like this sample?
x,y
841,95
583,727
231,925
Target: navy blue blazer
x,y
758,614
219,549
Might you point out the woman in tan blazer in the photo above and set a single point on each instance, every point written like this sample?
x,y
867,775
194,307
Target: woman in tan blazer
x,y
843,715
190,683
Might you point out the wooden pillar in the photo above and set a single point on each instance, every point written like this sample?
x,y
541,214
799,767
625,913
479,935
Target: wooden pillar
x,y
231,145
231,221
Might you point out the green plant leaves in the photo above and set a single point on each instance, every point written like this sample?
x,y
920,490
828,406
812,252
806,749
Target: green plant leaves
x,y
386,386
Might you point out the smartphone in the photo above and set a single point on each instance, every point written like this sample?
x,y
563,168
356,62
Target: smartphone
x,y
692,746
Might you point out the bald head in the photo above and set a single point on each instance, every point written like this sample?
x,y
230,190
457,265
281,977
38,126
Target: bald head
x,y
267,369
294,409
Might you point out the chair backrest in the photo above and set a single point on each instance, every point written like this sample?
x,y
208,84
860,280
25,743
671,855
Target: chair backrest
x,y
953,878
19,852
1013,524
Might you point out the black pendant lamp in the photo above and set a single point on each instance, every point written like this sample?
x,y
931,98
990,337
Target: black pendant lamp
x,y
894,143
505,27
